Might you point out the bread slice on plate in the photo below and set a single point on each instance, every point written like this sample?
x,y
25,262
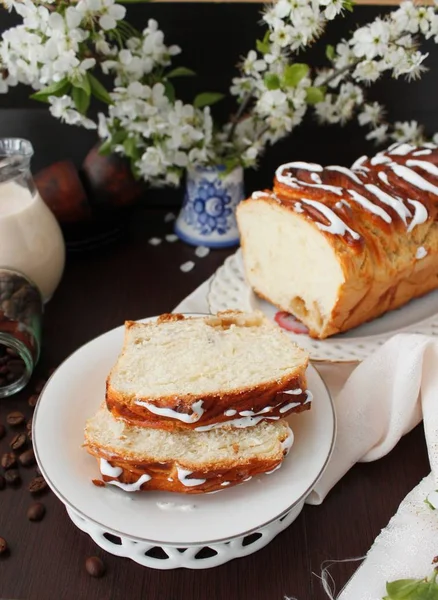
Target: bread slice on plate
x,y
141,458
233,369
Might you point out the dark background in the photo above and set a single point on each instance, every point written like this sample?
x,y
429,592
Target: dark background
x,y
213,37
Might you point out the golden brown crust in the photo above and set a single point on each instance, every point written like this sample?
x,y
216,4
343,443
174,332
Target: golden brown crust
x,y
255,398
252,399
381,269
164,476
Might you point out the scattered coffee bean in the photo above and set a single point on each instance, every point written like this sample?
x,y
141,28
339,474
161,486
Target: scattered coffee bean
x,y
33,400
27,459
94,566
8,461
40,385
3,546
12,366
15,418
12,476
2,482
2,431
37,485
98,482
18,441
36,511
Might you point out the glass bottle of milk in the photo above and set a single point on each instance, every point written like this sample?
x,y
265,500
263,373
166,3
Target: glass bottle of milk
x,y
31,241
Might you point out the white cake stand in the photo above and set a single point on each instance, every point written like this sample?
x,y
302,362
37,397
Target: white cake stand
x,y
159,529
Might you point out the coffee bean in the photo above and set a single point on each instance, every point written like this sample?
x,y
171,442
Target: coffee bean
x,y
18,441
37,485
29,424
2,483
13,477
2,431
15,418
3,546
27,459
94,566
11,352
8,461
36,511
33,400
98,482
40,385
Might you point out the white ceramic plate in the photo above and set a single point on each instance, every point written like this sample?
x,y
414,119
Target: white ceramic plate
x,y
229,289
74,393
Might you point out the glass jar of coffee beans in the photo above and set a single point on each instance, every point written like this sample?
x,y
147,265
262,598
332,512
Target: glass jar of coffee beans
x,y
21,309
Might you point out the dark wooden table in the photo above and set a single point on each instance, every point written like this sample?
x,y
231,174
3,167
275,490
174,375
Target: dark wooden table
x,y
130,280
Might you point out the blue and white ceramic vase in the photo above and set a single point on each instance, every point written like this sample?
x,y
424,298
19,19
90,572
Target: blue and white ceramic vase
x,y
208,214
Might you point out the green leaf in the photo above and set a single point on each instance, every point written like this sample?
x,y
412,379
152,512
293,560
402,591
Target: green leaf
x,y
402,589
207,99
264,45
429,504
293,74
272,81
82,83
330,52
119,137
106,148
130,145
169,90
81,100
314,95
55,89
348,5
180,72
98,90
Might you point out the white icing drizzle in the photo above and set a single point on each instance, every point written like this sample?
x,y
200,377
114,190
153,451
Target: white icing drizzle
x,y
132,487
373,208
309,397
395,203
248,478
288,179
286,445
169,479
342,203
174,506
184,473
337,225
251,413
425,165
287,407
315,177
238,423
296,392
420,216
274,469
224,483
430,145
346,172
421,253
414,178
230,412
257,195
380,159
358,163
197,413
401,150
108,470
301,165
422,152
298,207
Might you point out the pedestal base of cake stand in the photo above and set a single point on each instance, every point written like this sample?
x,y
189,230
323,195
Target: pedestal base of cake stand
x,y
191,557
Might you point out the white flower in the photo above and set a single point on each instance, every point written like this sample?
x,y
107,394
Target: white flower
x,y
379,134
252,65
371,40
63,109
367,70
334,7
344,55
407,131
272,101
371,114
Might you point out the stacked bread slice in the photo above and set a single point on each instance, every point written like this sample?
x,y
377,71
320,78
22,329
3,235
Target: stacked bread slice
x,y
197,404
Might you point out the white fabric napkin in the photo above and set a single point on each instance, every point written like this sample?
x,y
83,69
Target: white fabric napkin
x,y
376,403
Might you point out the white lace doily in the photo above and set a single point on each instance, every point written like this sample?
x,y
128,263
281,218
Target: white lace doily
x,y
229,290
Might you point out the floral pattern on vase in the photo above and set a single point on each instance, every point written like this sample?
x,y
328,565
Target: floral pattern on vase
x,y
208,213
